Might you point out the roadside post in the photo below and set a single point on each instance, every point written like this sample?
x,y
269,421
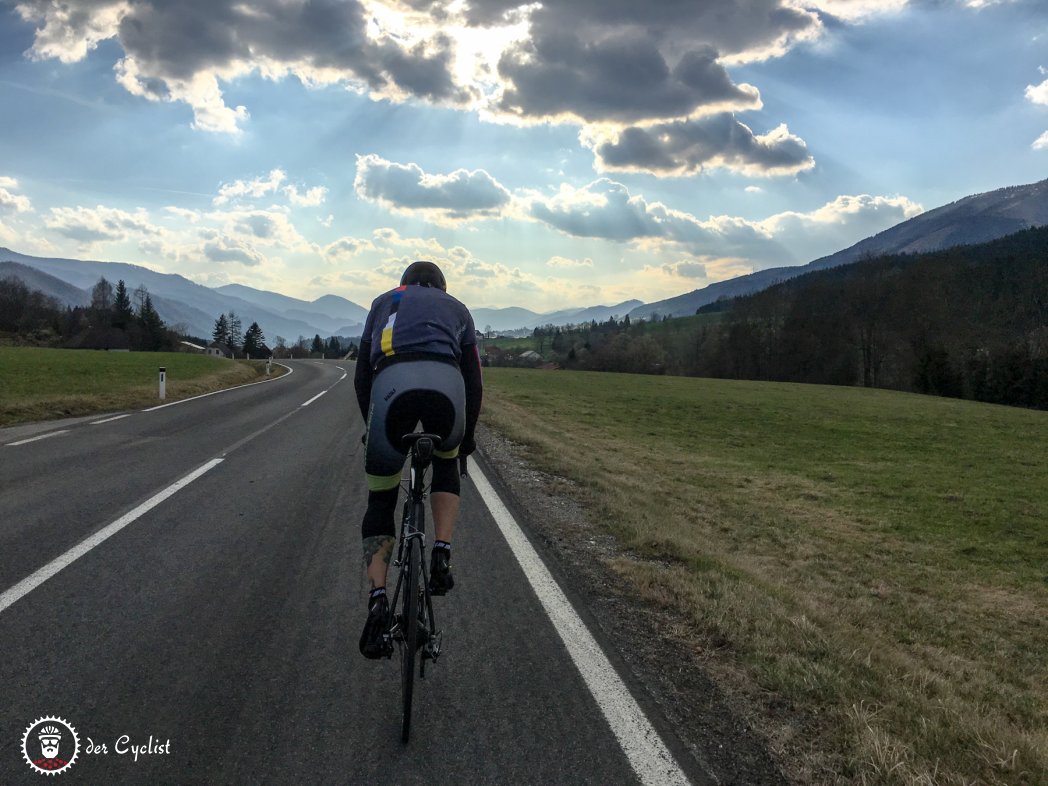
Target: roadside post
x,y
269,365
163,383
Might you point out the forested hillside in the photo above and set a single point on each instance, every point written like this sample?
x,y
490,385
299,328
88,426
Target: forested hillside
x,y
968,322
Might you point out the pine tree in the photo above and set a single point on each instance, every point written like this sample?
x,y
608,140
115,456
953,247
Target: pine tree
x,y
253,340
122,312
318,345
152,326
220,334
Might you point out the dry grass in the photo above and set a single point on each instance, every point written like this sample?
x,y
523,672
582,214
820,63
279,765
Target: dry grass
x,y
865,570
44,384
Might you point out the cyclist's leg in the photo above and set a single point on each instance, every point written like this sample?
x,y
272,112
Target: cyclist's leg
x,y
447,420
383,463
445,498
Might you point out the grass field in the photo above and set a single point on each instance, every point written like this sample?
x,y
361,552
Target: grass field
x,y
42,384
867,571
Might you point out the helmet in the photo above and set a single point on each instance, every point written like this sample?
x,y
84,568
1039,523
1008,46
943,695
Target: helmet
x,y
424,274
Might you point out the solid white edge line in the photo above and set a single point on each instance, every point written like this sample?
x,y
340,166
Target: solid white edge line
x,y
37,439
290,371
108,420
647,753
318,395
28,584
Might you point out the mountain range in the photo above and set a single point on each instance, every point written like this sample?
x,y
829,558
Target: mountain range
x,y
179,301
974,219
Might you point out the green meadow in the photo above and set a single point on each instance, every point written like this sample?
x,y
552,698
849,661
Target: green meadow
x,y
876,562
43,384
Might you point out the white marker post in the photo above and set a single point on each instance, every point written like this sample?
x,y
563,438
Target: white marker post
x,y
269,366
163,383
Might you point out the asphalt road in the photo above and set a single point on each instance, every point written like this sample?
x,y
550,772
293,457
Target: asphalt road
x,y
224,618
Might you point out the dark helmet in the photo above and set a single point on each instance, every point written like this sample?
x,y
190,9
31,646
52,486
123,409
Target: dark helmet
x,y
425,274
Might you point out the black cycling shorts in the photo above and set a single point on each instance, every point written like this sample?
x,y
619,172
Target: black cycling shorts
x,y
403,395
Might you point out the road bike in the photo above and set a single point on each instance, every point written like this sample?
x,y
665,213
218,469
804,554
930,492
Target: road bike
x,y
414,627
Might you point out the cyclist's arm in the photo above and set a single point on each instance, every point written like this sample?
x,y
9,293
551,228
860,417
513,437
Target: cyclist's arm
x,y
469,362
362,377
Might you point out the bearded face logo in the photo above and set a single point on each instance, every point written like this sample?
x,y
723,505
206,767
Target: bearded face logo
x,y
50,736
50,745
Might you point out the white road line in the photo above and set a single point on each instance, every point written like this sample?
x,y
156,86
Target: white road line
x,y
290,371
318,395
647,753
37,439
108,420
28,584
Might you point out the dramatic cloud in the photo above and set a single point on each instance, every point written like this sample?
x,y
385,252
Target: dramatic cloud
x,y
564,60
606,209
461,195
184,51
12,203
689,147
100,224
625,79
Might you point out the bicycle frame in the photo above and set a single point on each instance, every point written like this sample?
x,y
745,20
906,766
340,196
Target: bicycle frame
x,y
414,629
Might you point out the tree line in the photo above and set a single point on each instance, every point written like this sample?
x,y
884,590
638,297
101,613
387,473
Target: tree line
x,y
114,319
967,322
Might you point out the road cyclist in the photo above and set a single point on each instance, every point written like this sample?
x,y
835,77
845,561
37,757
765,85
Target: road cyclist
x,y
418,364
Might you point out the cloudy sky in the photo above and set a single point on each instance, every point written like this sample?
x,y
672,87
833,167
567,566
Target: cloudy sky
x,y
547,154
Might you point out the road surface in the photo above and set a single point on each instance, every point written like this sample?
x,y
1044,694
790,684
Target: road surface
x,y
193,574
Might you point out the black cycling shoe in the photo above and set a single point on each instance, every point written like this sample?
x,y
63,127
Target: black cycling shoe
x,y
373,643
440,578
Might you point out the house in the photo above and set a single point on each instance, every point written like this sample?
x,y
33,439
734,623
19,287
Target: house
x,y
219,350
529,357
189,346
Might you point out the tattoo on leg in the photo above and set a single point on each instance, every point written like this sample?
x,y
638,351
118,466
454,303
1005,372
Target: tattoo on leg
x,y
381,545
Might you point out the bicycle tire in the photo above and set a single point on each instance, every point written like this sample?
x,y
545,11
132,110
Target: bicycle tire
x,y
409,620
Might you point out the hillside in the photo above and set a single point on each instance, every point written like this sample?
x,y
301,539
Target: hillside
x,y
181,301
974,219
967,322
64,293
515,318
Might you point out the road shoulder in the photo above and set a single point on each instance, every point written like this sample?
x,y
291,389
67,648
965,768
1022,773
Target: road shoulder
x,y
669,669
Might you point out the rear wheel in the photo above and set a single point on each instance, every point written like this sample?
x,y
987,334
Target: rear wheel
x,y
409,621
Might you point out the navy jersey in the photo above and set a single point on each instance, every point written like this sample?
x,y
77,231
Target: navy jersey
x,y
418,319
